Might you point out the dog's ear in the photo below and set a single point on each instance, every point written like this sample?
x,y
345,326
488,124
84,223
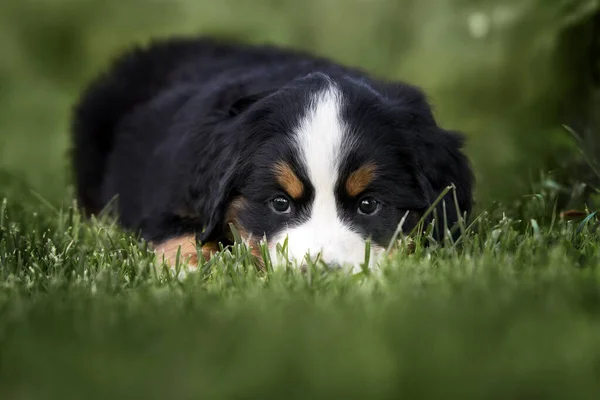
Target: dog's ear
x,y
215,201
226,167
441,164
437,154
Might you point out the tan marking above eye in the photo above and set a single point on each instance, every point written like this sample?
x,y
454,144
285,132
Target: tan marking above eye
x,y
288,180
360,179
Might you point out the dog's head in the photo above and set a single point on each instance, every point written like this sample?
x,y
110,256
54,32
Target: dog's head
x,y
331,163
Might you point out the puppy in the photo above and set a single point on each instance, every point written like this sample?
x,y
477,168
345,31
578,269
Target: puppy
x,y
193,134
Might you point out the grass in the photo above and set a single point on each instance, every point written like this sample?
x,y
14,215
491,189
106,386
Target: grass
x,y
86,311
512,310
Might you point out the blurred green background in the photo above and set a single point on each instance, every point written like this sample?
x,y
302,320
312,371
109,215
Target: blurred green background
x,y
508,73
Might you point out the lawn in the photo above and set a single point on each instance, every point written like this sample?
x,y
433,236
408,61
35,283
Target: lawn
x,y
86,311
511,310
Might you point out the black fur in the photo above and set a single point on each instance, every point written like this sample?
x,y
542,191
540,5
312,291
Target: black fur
x,y
181,128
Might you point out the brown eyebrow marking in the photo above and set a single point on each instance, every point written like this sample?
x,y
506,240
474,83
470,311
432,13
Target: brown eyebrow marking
x,y
360,179
289,180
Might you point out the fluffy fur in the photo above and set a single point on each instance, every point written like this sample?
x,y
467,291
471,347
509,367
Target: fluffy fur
x,y
193,134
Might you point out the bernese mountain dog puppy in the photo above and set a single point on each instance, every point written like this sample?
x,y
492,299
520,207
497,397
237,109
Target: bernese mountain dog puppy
x,y
191,135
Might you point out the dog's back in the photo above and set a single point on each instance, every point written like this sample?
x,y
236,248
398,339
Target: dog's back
x,y
133,79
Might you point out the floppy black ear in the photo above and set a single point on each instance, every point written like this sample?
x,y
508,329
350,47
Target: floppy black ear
x,y
226,167
443,164
216,201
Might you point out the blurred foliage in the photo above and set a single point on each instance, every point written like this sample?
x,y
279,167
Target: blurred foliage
x,y
87,312
508,73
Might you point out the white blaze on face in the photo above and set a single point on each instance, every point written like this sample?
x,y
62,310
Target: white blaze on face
x,y
322,140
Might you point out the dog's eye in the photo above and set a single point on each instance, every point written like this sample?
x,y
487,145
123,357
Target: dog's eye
x,y
280,205
368,206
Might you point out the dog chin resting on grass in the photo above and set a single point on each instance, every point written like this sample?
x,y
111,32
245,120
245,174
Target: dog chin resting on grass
x,y
193,136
